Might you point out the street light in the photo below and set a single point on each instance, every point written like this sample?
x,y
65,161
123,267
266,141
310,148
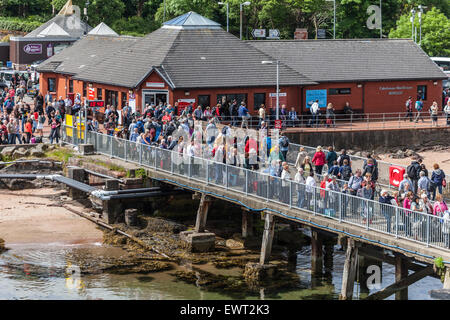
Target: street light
x,y
246,3
421,7
413,16
226,3
278,85
334,19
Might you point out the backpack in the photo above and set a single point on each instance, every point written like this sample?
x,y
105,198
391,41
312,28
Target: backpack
x,y
431,186
284,142
341,159
411,171
346,172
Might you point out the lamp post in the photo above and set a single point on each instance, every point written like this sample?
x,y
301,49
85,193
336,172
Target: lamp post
x,y
226,3
246,3
381,22
421,7
334,18
413,16
278,84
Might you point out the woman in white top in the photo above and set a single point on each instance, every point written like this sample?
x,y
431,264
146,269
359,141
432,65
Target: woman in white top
x,y
310,189
300,157
285,177
447,112
300,180
434,113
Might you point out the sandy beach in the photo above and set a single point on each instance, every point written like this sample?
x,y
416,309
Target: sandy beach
x,y
32,216
442,158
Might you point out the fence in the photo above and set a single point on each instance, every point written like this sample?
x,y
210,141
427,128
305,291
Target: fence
x,y
415,226
358,162
355,121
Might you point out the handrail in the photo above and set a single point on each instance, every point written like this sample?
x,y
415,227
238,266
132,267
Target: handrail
x,y
329,203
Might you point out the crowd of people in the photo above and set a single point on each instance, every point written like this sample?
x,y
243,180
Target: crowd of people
x,y
419,191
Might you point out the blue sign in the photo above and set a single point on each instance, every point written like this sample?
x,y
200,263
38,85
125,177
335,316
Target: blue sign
x,y
9,64
313,95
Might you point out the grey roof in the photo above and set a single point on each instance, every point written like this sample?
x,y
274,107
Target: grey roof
x,y
200,58
89,50
353,60
71,24
53,30
103,30
191,20
185,58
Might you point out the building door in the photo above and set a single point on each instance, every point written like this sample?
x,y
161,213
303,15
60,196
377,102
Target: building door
x,y
154,97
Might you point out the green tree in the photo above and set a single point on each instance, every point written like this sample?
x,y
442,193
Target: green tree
x,y
435,31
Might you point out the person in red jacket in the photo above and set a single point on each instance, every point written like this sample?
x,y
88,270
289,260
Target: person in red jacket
x,y
319,160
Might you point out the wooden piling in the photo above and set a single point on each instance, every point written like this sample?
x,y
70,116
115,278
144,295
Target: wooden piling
x,y
247,224
401,272
266,246
349,274
447,278
316,253
202,213
77,174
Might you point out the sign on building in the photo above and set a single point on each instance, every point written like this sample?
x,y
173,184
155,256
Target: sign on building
x,y
155,84
321,34
301,34
313,95
274,34
91,94
259,33
33,48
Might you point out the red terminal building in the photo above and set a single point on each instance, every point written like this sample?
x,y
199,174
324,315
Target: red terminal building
x,y
191,59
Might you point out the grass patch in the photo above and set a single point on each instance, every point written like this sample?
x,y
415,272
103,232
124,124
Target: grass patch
x,y
60,154
110,166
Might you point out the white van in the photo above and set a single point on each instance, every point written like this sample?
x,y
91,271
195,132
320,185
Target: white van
x,y
444,64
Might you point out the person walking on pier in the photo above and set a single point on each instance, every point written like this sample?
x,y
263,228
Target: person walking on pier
x,y
386,209
434,110
284,146
331,157
319,160
300,180
437,178
302,154
310,190
285,184
409,108
419,108
447,112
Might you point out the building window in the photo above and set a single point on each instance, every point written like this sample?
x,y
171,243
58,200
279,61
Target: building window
x,y
51,84
99,94
204,101
239,97
337,91
70,86
422,92
258,100
124,99
84,89
112,98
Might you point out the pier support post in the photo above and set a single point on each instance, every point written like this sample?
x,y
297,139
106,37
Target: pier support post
x,y
316,253
111,185
76,174
401,272
447,279
348,277
199,240
247,224
266,246
328,257
202,213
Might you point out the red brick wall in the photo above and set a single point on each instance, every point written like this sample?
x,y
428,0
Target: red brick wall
x,y
379,97
371,97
